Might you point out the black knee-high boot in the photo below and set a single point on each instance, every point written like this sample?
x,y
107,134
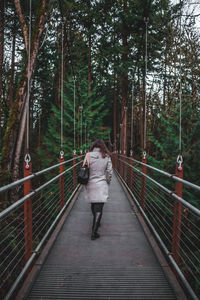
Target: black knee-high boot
x,y
93,212
95,227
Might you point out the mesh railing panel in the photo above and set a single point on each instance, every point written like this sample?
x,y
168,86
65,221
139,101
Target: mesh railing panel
x,y
46,204
159,205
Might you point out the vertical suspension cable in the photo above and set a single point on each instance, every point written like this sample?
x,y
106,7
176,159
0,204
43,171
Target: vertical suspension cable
x,y
74,113
28,84
180,158
85,136
27,157
61,91
180,86
81,131
145,79
132,116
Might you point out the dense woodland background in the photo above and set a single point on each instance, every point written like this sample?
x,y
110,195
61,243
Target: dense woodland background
x,y
104,69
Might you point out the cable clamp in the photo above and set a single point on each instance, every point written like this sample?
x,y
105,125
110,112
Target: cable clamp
x,y
179,162
61,154
27,160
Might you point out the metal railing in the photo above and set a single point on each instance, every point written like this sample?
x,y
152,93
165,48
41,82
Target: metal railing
x,y
167,204
26,224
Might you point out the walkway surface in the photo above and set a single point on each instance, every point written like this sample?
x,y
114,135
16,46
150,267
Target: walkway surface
x,y
119,265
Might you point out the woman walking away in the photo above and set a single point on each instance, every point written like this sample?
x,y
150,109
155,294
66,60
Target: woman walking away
x,y
100,176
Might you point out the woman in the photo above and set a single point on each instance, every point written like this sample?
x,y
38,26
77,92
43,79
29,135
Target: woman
x,y
100,176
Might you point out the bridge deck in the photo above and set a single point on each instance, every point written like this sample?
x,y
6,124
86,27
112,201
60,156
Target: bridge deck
x,y
119,265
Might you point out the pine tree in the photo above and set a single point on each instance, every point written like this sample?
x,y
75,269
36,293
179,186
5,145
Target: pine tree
x,y
165,144
93,114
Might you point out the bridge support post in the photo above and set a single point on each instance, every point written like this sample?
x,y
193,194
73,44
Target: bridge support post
x,y
117,162
176,236
131,171
143,191
121,164
115,159
27,213
124,165
74,171
62,197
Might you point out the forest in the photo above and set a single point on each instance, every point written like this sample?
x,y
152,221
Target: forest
x,y
73,71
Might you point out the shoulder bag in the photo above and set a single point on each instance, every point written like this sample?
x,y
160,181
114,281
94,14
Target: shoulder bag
x,y
84,172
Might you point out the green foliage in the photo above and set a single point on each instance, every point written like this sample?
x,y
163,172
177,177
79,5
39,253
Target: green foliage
x,y
165,144
93,114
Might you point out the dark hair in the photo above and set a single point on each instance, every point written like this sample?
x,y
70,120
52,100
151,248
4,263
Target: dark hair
x,y
103,149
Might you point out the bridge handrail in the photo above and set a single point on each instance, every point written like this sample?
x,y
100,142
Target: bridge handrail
x,y
188,183
165,249
171,193
11,185
20,201
31,259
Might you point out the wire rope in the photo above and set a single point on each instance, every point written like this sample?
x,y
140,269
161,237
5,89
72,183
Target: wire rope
x,y
61,90
145,84
28,85
74,113
81,126
132,94
27,157
180,86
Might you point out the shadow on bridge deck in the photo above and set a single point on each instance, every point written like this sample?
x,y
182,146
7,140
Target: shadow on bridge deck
x,y
119,265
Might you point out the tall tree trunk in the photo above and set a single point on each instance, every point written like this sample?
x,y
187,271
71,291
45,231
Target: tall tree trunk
x,y
165,81
11,92
141,115
89,49
17,120
2,6
124,84
89,65
57,75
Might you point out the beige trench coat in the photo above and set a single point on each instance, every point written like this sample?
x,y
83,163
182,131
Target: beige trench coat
x,y
100,175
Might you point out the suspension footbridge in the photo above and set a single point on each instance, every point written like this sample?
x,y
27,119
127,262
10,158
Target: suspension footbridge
x,y
148,247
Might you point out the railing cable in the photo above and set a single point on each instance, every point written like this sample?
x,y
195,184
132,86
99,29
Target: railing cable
x,y
61,91
180,86
145,85
27,157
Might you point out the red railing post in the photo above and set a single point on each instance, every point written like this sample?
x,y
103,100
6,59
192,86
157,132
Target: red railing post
x,y
125,166
120,158
62,197
117,161
143,192
114,159
74,171
176,236
131,171
28,212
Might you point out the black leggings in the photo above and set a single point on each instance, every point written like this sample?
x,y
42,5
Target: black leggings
x,y
97,207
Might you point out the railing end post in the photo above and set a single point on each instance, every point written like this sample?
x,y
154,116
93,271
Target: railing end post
x,y
176,236
28,212
74,170
62,197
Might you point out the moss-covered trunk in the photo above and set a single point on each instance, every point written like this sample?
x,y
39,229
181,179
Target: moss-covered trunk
x,y
13,139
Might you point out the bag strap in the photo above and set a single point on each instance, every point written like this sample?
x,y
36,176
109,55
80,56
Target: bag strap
x,y
87,159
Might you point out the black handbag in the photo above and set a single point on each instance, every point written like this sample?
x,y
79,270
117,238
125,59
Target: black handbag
x,y
84,173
